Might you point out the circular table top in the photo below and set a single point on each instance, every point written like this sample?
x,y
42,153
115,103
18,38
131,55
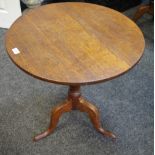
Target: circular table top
x,y
74,43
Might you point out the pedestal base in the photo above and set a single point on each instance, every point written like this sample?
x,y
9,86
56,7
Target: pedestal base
x,y
75,102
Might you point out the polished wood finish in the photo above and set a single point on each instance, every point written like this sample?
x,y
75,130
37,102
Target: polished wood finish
x,y
75,102
55,115
74,44
143,9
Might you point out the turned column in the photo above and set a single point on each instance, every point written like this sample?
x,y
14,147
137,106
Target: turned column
x,y
74,95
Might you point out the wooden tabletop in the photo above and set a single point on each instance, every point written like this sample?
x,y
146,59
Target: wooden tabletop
x,y
74,43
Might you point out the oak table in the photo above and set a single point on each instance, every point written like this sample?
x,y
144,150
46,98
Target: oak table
x,y
74,44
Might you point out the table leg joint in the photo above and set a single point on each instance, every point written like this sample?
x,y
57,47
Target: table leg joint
x,y
75,102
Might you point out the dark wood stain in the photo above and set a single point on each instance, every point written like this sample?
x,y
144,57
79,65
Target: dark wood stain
x,y
75,44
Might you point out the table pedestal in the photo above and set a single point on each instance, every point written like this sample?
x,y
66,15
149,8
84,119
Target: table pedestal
x,y
74,102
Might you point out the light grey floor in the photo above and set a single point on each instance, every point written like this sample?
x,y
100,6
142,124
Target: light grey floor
x,y
126,106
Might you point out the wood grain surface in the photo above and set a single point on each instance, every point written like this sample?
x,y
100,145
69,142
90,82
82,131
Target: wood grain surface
x,y
75,43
